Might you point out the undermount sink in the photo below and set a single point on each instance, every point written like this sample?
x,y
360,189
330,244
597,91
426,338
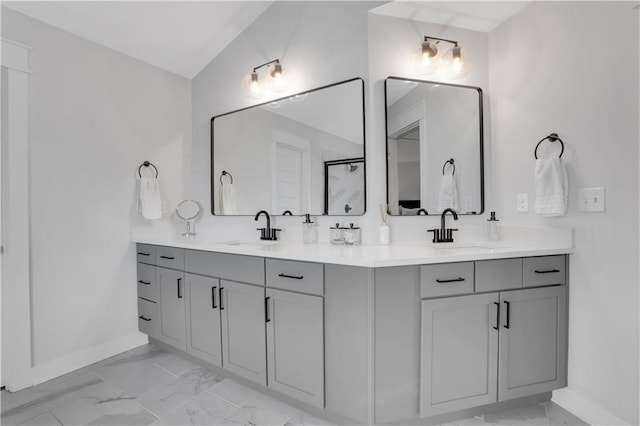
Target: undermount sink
x,y
254,243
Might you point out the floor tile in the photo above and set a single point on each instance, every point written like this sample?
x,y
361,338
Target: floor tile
x,y
233,392
160,400
305,419
29,403
469,421
558,416
263,410
534,415
176,365
102,404
204,409
134,377
46,419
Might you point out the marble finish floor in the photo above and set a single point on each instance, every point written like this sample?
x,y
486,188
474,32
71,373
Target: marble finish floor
x,y
148,385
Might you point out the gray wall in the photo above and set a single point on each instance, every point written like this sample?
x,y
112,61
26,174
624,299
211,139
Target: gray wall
x,y
94,116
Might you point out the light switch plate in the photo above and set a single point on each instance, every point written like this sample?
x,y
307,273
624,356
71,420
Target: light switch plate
x,y
523,203
592,200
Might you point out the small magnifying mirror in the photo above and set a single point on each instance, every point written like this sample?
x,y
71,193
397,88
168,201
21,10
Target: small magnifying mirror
x,y
188,210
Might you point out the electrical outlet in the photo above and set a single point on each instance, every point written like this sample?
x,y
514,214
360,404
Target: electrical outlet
x,y
523,203
592,200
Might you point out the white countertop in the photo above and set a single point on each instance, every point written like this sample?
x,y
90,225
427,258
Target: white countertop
x,y
532,243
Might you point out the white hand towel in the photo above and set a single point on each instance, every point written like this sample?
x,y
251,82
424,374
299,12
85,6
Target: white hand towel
x,y
149,201
448,198
552,187
227,199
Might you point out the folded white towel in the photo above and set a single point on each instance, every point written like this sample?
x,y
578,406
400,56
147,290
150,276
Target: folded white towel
x,y
552,187
149,201
227,199
448,198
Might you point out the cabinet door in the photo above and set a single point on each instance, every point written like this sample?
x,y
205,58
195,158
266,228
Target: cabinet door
x,y
243,330
204,338
532,341
296,345
172,310
459,353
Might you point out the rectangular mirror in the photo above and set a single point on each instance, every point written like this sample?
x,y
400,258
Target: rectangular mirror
x,y
434,147
299,154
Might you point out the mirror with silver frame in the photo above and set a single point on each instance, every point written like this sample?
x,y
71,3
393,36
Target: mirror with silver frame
x,y
188,210
434,147
275,156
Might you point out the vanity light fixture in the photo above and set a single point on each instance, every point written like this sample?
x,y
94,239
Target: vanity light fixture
x,y
427,58
274,78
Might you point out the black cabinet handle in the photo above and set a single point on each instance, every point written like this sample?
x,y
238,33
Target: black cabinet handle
x,y
144,319
454,280
293,277
144,254
546,271
266,309
167,257
221,299
497,326
179,289
144,282
508,314
213,297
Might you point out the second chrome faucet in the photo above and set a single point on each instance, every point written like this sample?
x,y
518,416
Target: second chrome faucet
x,y
268,233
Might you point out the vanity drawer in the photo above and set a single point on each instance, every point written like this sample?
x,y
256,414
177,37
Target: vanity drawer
x,y
304,277
147,317
170,257
232,267
446,279
496,275
146,253
147,285
544,270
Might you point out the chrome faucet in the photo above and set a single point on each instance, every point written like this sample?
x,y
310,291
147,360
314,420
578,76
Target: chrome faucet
x,y
267,233
444,234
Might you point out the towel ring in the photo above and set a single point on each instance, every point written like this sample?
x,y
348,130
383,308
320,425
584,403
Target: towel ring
x,y
449,161
225,173
147,164
552,138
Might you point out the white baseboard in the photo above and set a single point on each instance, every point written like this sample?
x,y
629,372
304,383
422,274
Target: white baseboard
x,y
57,367
584,408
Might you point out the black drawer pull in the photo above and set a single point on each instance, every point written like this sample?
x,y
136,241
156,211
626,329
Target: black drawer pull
x,y
221,299
266,309
167,257
497,326
144,254
213,297
144,319
507,325
179,288
454,280
293,277
546,271
144,282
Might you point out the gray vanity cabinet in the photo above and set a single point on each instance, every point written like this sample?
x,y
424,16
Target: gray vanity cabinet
x,y
243,331
459,353
204,332
533,341
172,307
295,345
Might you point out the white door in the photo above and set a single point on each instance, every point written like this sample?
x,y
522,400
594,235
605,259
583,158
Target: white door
x,y
288,189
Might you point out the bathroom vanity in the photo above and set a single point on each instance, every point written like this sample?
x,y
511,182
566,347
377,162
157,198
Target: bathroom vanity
x,y
367,334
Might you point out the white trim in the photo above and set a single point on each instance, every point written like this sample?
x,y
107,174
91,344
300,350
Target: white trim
x,y
15,43
15,56
584,408
406,118
57,367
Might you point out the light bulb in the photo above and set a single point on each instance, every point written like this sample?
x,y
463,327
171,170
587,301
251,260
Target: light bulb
x,y
426,58
252,86
457,63
277,80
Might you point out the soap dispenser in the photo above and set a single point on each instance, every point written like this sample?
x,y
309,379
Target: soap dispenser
x,y
309,232
493,227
